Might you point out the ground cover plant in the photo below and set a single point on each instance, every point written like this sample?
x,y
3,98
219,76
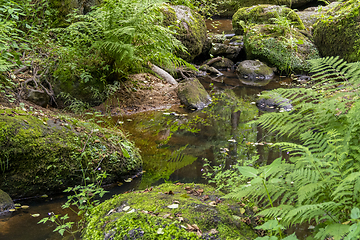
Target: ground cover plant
x,y
320,182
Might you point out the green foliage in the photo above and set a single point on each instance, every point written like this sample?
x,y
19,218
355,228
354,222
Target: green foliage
x,y
321,182
84,198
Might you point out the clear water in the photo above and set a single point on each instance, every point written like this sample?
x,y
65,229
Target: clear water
x,y
173,144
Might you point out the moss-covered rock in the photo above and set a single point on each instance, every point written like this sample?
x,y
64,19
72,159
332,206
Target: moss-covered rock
x,y
6,202
254,73
193,95
228,8
337,33
261,14
310,15
286,49
44,154
191,29
160,213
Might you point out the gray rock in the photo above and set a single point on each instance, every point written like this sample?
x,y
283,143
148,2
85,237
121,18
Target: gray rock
x,y
224,50
38,97
254,73
277,103
6,202
191,30
225,63
193,95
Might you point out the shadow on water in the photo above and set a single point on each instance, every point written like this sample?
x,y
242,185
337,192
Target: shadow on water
x,y
174,145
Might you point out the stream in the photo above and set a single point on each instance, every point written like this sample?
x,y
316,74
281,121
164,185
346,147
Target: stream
x,y
174,145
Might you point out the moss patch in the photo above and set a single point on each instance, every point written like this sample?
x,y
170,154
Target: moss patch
x,y
264,14
197,204
338,33
44,154
275,45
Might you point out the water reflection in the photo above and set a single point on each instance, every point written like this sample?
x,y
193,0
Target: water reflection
x,y
173,147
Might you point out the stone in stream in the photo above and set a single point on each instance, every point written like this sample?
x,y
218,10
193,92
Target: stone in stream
x,y
193,95
6,203
274,103
254,73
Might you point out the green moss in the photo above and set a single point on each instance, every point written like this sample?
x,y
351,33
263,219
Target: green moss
x,y
151,207
340,23
42,154
261,14
193,95
288,51
190,29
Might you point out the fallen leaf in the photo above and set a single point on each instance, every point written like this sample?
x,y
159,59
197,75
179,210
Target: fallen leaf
x,y
35,215
206,197
24,206
160,231
128,180
213,231
166,215
173,206
212,203
126,208
187,188
242,210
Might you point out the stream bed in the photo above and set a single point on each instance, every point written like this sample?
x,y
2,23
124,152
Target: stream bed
x,y
174,145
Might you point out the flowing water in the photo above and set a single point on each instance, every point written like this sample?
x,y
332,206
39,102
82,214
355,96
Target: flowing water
x,y
174,146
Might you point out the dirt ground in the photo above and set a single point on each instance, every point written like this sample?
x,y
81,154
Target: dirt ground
x,y
144,92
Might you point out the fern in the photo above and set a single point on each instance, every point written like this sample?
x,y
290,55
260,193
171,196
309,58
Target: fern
x,y
321,183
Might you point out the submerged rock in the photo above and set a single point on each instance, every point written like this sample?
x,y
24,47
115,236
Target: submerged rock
x,y
193,95
254,73
161,212
6,202
274,104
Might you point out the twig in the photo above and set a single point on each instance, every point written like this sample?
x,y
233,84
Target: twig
x,y
86,141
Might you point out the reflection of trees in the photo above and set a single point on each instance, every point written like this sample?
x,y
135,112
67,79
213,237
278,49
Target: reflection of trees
x,y
205,134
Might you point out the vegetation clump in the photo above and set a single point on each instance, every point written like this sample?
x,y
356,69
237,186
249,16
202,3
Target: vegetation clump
x,y
339,23
161,212
43,154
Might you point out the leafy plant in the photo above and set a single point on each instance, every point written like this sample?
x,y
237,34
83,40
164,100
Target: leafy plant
x,y
320,183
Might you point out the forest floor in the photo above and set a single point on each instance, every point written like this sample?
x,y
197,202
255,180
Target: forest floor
x,y
144,92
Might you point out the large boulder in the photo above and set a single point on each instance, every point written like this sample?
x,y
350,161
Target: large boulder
x,y
6,202
310,15
228,8
264,14
254,73
160,212
191,29
42,154
284,48
337,33
193,95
